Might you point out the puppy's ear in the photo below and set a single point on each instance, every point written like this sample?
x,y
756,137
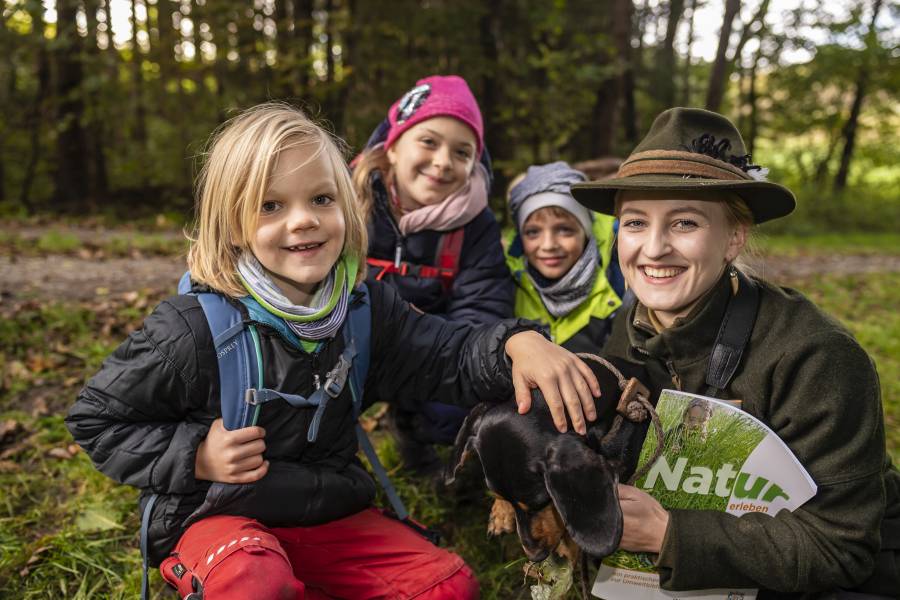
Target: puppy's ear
x,y
465,441
582,485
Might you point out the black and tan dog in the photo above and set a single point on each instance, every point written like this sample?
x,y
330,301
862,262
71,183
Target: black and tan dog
x,y
559,489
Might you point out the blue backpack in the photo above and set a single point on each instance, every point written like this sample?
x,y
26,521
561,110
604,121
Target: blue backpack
x,y
240,371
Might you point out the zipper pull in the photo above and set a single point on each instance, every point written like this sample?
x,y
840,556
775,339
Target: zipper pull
x,y
398,253
316,382
676,378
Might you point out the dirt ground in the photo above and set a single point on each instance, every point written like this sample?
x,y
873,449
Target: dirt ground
x,y
72,278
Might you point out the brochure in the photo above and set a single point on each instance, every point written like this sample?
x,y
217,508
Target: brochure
x,y
715,457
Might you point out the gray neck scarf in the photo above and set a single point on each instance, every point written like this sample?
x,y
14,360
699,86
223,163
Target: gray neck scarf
x,y
563,295
322,320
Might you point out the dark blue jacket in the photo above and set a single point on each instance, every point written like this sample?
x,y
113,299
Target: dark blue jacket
x,y
482,291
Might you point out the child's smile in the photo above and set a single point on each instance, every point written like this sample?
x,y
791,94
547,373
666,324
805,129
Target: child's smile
x,y
300,234
553,243
432,160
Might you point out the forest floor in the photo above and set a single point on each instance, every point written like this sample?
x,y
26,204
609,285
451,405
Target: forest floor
x,y
70,295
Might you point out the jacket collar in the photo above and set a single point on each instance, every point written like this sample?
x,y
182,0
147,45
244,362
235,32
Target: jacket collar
x,y
690,338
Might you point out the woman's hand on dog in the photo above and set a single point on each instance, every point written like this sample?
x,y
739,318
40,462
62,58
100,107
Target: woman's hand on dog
x,y
231,456
644,521
566,382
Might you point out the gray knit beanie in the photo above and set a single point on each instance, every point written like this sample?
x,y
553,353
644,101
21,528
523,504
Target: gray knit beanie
x,y
548,185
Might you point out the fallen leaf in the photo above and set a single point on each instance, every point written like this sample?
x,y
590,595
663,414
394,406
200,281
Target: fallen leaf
x,y
73,449
40,408
35,557
130,296
97,518
60,453
17,370
8,466
9,429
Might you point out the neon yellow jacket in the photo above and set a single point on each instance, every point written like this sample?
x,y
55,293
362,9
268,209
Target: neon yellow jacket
x,y
600,303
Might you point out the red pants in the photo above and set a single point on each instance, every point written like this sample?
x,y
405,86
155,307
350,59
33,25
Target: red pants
x,y
363,556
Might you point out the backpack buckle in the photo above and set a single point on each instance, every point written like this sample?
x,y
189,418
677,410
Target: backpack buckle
x,y
336,378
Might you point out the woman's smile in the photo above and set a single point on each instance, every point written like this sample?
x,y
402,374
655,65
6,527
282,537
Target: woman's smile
x,y
661,274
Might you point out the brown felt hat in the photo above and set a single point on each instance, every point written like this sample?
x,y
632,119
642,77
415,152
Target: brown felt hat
x,y
691,148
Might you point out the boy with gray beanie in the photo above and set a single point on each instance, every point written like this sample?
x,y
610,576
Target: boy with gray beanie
x,y
559,258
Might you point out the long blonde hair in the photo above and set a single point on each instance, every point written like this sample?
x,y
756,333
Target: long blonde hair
x,y
240,157
372,159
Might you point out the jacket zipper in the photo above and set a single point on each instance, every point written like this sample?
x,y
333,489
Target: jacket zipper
x,y
676,378
384,205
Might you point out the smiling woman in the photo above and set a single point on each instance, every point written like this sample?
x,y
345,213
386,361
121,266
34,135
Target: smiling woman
x,y
674,245
686,198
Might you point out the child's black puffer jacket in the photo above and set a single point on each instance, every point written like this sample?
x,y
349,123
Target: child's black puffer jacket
x,y
143,415
481,292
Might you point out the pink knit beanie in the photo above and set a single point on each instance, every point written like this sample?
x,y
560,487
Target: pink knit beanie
x,y
435,96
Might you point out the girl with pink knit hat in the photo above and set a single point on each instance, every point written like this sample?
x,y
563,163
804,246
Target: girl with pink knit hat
x,y
423,181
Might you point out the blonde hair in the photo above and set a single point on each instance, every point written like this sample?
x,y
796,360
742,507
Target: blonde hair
x,y
240,157
373,159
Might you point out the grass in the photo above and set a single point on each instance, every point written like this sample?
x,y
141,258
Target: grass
x,y
102,245
867,305
68,531
789,245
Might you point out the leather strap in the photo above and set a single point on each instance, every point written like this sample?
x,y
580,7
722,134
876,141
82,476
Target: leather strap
x,y
734,333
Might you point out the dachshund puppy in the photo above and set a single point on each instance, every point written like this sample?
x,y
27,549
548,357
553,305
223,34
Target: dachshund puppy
x,y
558,488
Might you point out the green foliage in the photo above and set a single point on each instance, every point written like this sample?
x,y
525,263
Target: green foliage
x,y
866,305
858,210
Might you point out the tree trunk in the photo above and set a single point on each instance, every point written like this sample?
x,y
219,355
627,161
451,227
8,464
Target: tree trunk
x,y
722,66
285,45
95,125
752,98
168,39
303,26
862,80
718,76
71,185
111,45
137,76
686,73
623,16
665,83
488,27
348,46
631,117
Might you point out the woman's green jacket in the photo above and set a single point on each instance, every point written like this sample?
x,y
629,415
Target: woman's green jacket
x,y
808,379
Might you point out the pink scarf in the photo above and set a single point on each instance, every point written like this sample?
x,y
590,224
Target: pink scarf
x,y
456,210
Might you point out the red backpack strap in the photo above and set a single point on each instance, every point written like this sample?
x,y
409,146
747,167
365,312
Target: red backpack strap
x,y
449,251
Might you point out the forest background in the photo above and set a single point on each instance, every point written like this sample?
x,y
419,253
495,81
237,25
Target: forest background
x,y
105,106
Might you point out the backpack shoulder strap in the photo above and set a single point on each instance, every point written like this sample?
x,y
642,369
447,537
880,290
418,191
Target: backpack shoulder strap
x,y
358,333
237,352
450,249
734,333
